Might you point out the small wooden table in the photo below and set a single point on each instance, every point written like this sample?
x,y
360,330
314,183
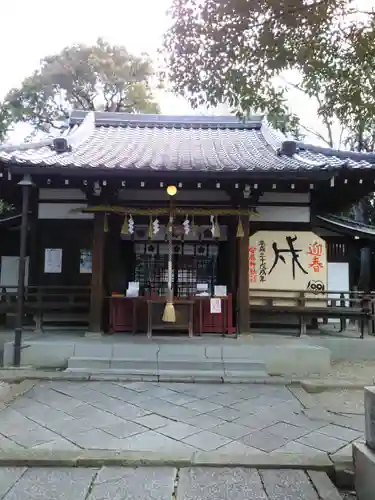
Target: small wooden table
x,y
183,321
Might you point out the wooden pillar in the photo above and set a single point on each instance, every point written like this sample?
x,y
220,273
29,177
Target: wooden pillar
x,y
34,247
26,186
232,269
243,317
97,277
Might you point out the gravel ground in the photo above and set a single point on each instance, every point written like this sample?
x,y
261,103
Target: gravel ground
x,y
341,401
361,370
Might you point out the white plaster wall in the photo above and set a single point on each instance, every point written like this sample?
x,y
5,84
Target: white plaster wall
x,y
61,194
282,214
208,195
62,211
181,196
285,197
265,213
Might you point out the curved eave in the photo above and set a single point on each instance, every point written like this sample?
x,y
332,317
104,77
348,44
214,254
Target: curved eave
x,y
330,152
191,174
343,225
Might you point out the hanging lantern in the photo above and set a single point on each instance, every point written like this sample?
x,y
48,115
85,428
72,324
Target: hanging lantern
x,y
106,223
240,232
125,226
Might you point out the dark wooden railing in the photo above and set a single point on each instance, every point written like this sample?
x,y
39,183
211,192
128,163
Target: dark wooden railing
x,y
41,300
304,305
307,305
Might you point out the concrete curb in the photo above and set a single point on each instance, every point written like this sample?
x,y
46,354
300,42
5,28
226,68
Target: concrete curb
x,y
100,458
17,375
316,386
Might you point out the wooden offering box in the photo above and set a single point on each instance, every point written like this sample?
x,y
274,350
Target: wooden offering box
x,y
126,314
207,322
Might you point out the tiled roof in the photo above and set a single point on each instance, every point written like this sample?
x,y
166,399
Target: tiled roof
x,y
345,225
173,143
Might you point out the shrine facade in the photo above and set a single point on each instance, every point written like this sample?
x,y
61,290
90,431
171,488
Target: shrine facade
x,y
126,214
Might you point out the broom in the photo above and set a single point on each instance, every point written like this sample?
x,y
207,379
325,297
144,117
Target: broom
x,y
169,315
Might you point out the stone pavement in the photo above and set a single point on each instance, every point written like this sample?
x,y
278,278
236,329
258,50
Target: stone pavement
x,y
164,483
175,418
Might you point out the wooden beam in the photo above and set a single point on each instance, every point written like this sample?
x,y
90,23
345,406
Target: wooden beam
x,y
243,325
97,279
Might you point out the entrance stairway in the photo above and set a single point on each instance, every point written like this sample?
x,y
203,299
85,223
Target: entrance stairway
x,y
212,358
207,356
179,369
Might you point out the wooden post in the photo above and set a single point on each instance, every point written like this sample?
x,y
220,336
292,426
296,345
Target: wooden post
x,y
97,277
25,185
243,325
34,259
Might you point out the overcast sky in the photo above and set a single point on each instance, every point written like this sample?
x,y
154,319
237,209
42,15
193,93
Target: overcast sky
x,y
32,29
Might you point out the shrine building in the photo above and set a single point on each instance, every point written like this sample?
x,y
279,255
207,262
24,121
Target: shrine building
x,y
153,223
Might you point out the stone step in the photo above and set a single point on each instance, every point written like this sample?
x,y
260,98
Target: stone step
x,y
232,368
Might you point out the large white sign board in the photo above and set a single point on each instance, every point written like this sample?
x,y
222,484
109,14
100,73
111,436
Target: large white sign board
x,y
287,261
9,272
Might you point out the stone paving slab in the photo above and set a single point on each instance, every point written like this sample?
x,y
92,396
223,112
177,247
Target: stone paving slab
x,y
163,483
174,417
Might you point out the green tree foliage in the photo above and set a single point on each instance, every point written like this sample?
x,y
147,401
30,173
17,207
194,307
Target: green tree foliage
x,y
5,121
236,50
5,207
98,77
232,49
288,123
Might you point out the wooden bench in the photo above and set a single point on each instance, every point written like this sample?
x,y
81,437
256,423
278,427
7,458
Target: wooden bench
x,y
306,307
59,307
62,306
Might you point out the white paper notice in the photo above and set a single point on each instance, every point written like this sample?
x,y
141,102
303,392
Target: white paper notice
x,y
53,260
202,287
220,291
215,306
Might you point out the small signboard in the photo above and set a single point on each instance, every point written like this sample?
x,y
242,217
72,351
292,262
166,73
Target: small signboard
x,y
220,291
215,305
53,260
85,262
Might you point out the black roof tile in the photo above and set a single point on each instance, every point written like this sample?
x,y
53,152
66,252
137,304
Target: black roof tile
x,y
175,143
